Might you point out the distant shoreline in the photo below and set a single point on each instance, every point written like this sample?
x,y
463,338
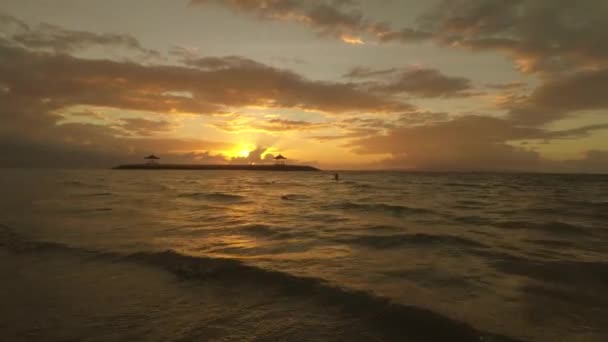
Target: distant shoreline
x,y
215,167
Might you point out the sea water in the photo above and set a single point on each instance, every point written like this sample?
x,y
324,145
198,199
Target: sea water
x,y
105,255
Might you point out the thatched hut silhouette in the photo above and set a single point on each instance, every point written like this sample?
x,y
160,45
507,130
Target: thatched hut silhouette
x,y
279,160
151,159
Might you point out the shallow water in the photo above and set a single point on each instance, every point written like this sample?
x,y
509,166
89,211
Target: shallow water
x,y
376,256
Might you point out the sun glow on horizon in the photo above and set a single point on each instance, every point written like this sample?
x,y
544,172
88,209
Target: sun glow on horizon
x,y
241,150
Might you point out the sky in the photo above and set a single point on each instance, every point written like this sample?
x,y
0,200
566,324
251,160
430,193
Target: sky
x,y
490,85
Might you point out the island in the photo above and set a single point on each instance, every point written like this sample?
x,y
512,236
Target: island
x,y
153,164
235,167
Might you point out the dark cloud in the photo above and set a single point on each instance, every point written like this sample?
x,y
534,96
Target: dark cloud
x,y
337,18
65,80
282,125
583,90
223,63
89,145
421,118
406,35
57,39
541,35
560,97
507,86
328,17
423,82
366,72
464,143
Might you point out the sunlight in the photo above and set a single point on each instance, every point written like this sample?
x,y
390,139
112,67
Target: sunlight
x,y
241,150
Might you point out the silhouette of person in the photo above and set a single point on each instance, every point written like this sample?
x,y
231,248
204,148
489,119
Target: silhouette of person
x,y
337,177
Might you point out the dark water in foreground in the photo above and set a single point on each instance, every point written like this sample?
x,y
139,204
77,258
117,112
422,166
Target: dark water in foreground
x,y
231,256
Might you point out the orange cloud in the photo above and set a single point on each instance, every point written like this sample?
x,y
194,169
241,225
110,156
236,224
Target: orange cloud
x,y
348,39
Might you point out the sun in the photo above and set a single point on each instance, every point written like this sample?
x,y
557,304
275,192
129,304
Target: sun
x,y
243,153
241,150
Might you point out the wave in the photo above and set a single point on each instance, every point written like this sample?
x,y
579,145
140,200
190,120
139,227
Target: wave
x,y
465,185
73,183
552,227
381,208
81,184
471,204
551,243
295,197
393,321
392,241
275,233
588,204
258,230
578,274
473,219
98,194
214,196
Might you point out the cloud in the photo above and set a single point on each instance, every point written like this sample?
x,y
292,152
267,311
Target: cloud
x,y
415,81
231,82
88,113
328,17
592,161
40,85
282,125
239,123
559,97
421,82
144,127
406,35
223,63
357,127
90,145
421,118
583,90
464,143
351,133
507,86
366,72
60,40
542,35
339,19
257,156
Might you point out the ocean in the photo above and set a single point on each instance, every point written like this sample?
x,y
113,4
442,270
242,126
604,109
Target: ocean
x,y
108,255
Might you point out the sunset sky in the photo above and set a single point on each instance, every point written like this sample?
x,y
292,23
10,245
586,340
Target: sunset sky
x,y
349,84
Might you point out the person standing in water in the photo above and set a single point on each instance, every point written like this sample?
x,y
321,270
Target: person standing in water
x,y
336,177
